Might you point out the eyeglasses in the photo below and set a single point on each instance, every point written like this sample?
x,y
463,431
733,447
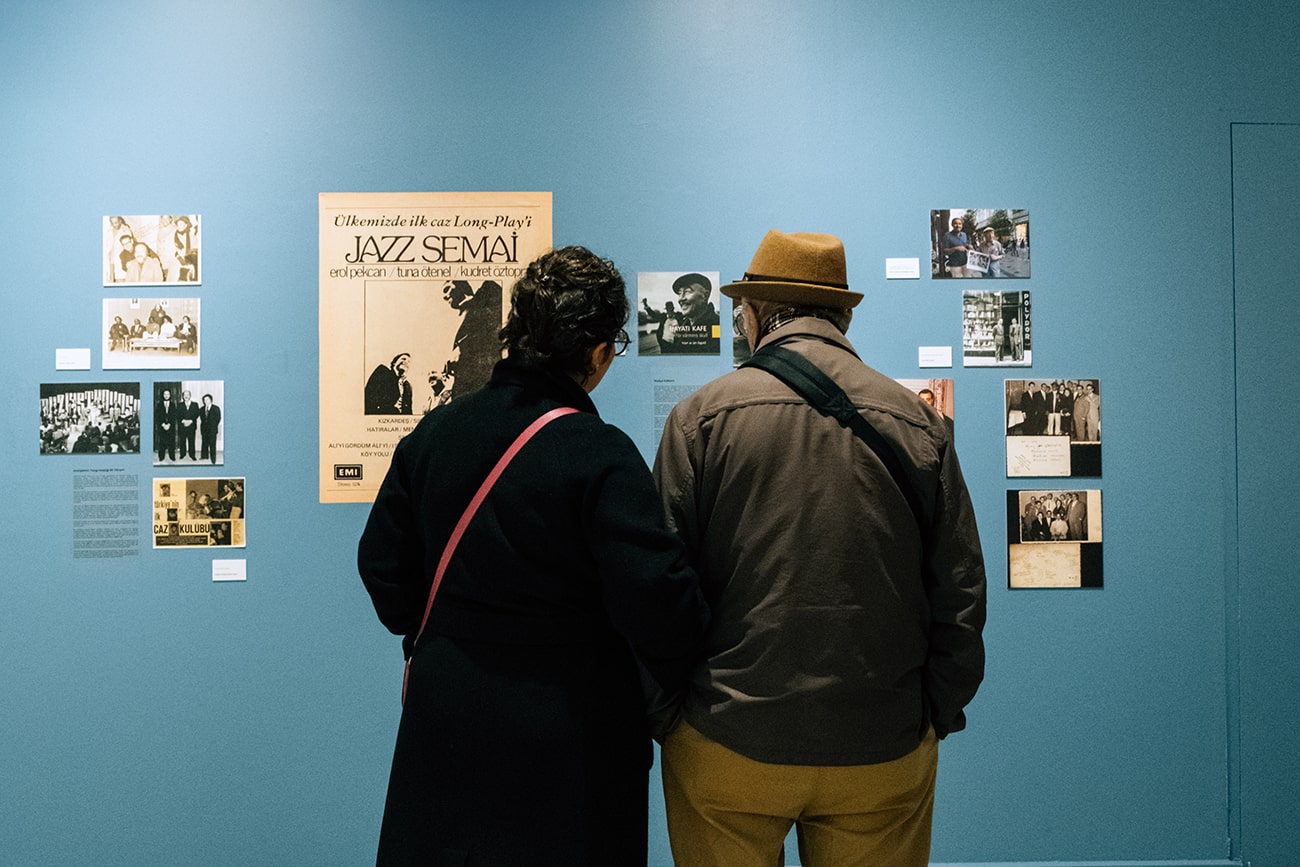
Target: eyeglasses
x,y
621,342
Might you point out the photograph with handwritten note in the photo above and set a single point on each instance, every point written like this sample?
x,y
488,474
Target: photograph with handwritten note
x,y
1053,427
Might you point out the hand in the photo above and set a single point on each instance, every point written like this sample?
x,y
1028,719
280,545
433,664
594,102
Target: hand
x,y
670,330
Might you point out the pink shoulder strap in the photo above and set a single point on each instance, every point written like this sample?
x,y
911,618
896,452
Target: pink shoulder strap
x,y
472,508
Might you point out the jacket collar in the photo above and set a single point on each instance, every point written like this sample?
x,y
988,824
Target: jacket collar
x,y
810,327
551,385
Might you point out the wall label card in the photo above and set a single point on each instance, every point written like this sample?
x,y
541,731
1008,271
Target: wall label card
x,y
934,356
229,570
902,268
74,358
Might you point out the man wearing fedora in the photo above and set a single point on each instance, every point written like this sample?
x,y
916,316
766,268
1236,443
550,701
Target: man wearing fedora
x,y
844,571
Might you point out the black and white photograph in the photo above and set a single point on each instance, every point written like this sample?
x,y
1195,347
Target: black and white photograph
x,y
152,250
198,513
1054,539
677,313
996,329
90,418
151,333
980,243
1053,427
188,425
427,343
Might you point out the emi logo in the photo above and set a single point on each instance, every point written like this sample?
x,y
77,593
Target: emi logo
x,y
346,472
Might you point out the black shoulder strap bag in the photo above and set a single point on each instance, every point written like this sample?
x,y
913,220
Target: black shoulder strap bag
x,y
814,386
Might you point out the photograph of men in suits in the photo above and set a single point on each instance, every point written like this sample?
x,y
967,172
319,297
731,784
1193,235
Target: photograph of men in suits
x,y
209,429
164,423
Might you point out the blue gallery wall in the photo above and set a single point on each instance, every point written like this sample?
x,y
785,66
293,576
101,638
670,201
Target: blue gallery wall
x,y
150,716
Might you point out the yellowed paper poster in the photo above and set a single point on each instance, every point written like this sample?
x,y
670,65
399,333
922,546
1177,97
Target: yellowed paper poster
x,y
198,513
413,290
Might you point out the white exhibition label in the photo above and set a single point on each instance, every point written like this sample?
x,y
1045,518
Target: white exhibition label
x,y
934,356
229,570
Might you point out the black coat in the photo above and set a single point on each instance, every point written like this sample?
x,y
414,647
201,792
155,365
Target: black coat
x,y
523,739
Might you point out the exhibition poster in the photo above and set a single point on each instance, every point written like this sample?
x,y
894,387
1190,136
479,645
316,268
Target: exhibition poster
x,y
414,288
198,513
677,313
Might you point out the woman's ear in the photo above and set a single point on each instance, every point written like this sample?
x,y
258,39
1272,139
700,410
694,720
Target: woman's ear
x,y
602,355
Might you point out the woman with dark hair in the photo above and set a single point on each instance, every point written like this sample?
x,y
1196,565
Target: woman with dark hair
x,y
523,737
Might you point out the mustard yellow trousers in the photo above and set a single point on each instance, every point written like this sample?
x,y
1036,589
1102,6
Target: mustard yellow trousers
x,y
726,810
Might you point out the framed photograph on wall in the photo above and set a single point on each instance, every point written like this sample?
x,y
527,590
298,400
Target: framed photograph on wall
x,y
188,425
936,392
997,329
90,418
152,250
1053,427
198,513
151,333
979,243
1054,539
677,313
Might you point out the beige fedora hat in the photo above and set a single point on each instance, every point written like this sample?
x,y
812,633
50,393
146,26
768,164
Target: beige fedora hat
x,y
799,268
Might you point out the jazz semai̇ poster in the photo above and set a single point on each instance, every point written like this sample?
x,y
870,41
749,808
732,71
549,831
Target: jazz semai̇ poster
x,y
414,288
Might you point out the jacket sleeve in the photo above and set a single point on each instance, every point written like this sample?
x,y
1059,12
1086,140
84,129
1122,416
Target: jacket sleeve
x,y
650,592
390,555
674,476
955,586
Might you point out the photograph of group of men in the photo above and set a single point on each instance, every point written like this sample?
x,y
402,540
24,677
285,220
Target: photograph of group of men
x,y
1062,407
425,346
979,243
677,313
1053,427
90,418
195,513
151,333
187,422
1054,539
151,250
1053,516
